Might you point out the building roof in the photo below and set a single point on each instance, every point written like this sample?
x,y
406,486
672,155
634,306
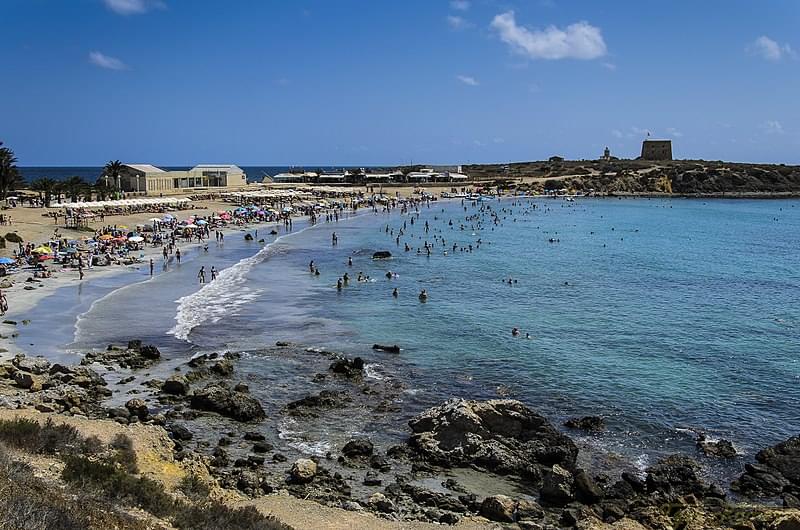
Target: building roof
x,y
229,167
656,140
145,168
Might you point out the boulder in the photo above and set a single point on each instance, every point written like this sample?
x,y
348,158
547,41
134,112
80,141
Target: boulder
x,y
586,490
303,471
150,353
32,365
388,349
138,408
176,385
381,254
777,467
498,508
353,369
503,436
29,381
180,432
586,423
557,486
218,398
381,503
359,447
675,476
528,510
718,448
311,404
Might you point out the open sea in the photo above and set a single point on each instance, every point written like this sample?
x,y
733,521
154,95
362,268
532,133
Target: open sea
x,y
663,316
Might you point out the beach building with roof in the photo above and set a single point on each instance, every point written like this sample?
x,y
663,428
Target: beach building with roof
x,y
146,179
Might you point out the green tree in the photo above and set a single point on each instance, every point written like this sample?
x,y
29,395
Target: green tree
x,y
46,187
75,187
102,191
10,177
112,170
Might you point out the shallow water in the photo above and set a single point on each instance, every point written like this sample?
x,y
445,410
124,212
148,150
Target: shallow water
x,y
661,315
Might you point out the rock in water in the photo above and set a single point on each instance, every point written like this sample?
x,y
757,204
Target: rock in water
x,y
500,435
388,349
777,468
359,447
382,254
719,448
586,423
176,385
217,398
303,471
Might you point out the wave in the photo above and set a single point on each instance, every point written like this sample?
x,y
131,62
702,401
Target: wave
x,y
222,296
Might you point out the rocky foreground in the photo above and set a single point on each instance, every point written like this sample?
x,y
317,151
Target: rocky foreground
x,y
503,440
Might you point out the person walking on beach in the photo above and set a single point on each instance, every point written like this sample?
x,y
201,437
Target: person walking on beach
x,y
213,273
202,275
151,266
178,255
80,268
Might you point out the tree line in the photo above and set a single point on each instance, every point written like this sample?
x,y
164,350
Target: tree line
x,y
74,187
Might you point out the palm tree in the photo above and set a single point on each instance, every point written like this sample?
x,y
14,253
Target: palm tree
x,y
74,187
10,177
112,170
46,188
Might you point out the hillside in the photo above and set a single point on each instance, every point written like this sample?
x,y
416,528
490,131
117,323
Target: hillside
x,y
641,176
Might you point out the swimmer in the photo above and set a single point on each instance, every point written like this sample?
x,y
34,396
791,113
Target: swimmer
x,y
423,295
395,293
349,261
514,332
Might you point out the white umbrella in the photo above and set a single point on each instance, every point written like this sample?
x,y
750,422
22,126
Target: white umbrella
x,y
190,225
136,239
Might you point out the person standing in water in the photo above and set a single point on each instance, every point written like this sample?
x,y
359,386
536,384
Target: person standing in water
x,y
178,255
213,273
151,266
334,239
395,293
202,275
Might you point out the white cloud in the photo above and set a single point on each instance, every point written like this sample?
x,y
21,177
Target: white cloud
x,y
577,41
636,131
772,127
106,61
459,5
456,22
467,80
133,7
616,133
769,49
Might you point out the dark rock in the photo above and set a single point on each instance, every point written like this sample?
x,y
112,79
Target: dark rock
x,y
135,345
388,349
223,368
254,436
278,457
282,344
118,412
241,387
382,254
790,501
309,405
528,510
586,490
557,486
449,518
138,408
380,462
256,460
586,423
262,447
176,385
372,479
150,352
220,399
503,436
719,448
379,502
353,369
359,447
674,476
179,432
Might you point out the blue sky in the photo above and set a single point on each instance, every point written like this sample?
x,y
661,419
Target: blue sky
x,y
367,82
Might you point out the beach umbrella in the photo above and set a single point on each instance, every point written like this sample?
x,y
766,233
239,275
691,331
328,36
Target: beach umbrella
x,y
44,249
190,226
136,239
122,227
71,251
45,257
106,237
202,222
6,261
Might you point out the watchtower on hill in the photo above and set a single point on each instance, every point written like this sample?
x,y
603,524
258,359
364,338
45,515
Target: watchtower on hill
x,y
656,150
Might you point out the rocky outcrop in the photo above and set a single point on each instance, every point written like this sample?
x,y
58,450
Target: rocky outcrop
x,y
358,448
776,472
503,436
352,369
717,448
135,356
388,349
586,423
216,397
176,385
311,405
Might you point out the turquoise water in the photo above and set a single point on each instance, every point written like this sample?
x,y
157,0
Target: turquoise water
x,y
661,315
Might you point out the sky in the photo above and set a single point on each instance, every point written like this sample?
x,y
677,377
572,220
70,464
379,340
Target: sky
x,y
389,82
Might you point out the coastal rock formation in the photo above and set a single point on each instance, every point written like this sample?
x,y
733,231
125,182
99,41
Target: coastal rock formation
x,y
303,470
359,447
176,385
718,448
388,349
216,397
557,486
310,405
776,471
352,369
135,356
503,436
586,423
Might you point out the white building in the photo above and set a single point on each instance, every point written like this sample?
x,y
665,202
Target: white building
x,y
151,180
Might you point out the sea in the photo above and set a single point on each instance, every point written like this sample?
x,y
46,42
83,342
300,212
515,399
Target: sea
x,y
667,317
